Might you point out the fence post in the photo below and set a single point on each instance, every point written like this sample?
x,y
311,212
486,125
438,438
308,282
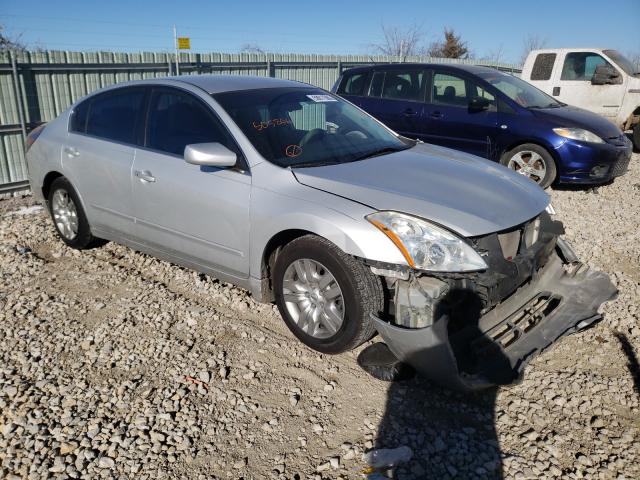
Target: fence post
x,y
18,94
269,69
339,68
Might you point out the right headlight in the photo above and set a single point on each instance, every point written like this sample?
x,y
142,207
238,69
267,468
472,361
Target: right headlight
x,y
578,134
426,246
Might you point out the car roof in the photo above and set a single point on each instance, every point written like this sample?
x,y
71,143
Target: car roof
x,y
230,83
445,66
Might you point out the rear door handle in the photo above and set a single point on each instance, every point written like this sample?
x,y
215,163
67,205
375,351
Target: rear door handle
x,y
437,114
409,112
71,152
145,176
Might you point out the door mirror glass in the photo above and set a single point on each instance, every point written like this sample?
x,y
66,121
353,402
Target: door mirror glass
x,y
210,154
479,104
605,75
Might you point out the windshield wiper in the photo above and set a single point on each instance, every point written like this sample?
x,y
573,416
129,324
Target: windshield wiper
x,y
379,152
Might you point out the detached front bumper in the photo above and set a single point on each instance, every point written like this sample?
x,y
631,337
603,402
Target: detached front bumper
x,y
493,349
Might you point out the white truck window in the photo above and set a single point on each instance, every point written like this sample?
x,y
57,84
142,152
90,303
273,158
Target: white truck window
x,y
543,66
581,65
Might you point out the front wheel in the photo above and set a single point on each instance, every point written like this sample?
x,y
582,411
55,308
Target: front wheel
x,y
325,296
532,161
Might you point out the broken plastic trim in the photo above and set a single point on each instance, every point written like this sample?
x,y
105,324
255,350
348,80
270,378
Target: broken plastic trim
x,y
578,292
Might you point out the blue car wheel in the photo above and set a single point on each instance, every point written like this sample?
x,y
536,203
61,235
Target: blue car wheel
x,y
532,161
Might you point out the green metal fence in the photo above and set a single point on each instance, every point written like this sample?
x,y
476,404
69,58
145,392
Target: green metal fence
x,y
35,87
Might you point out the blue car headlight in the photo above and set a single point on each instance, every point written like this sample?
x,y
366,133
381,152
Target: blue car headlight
x,y
578,134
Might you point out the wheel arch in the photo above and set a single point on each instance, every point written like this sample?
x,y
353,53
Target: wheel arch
x,y
49,178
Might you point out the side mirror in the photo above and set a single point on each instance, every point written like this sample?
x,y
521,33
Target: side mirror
x,y
479,104
605,75
210,154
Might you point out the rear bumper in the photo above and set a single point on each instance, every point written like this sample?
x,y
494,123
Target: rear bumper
x,y
496,347
593,163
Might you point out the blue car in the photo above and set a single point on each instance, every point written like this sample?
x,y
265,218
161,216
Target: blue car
x,y
491,114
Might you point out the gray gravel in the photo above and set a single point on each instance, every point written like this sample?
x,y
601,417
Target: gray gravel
x,y
115,364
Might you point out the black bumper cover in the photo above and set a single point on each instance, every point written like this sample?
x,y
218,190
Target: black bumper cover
x,y
578,292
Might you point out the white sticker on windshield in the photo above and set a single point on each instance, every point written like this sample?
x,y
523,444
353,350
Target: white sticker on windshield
x,y
322,98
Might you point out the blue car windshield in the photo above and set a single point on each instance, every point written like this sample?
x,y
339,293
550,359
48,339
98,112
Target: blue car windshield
x,y
307,127
521,92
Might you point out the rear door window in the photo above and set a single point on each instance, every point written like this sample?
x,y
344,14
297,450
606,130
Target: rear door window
x,y
398,85
543,66
177,119
581,65
114,115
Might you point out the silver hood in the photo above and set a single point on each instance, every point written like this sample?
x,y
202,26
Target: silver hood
x,y
467,194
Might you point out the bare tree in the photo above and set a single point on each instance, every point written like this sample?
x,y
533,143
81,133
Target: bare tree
x,y
8,43
251,48
531,42
452,46
496,55
401,41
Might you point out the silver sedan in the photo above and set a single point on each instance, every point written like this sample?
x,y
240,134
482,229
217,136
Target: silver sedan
x,y
302,198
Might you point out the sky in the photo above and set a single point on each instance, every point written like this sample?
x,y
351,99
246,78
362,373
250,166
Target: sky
x,y
327,27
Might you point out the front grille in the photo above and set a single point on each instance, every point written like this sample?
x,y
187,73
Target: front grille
x,y
621,166
513,328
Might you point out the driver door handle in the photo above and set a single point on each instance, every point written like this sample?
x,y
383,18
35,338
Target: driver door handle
x,y
437,114
145,176
409,112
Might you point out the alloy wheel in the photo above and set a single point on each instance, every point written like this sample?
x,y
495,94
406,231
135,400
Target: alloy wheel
x,y
65,214
530,164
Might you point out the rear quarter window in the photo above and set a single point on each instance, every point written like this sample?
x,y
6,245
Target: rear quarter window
x,y
543,66
78,121
353,84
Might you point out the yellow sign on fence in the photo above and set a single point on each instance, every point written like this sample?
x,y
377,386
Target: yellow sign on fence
x,y
184,43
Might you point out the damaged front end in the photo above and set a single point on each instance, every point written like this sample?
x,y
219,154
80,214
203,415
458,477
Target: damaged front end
x,y
470,331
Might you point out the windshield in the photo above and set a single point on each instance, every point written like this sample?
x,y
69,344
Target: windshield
x,y
521,92
306,127
623,62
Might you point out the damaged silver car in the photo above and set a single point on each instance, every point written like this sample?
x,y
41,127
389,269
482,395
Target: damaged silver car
x,y
304,199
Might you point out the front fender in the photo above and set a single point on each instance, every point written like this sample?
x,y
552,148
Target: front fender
x,y
322,214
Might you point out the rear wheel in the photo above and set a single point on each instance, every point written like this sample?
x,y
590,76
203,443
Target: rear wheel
x,y
68,215
325,296
636,137
532,161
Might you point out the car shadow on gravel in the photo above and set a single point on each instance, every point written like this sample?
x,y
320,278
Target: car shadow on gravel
x,y
451,434
632,359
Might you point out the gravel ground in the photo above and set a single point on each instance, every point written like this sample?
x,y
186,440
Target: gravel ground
x,y
115,364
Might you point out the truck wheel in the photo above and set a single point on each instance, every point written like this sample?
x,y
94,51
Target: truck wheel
x,y
68,215
636,137
325,296
532,161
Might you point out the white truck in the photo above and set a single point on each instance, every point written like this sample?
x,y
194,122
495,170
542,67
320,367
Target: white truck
x,y
600,80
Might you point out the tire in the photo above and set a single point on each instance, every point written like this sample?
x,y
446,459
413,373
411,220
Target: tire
x,y
521,157
79,238
360,294
636,137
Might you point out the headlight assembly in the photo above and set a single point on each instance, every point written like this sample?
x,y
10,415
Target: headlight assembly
x,y
578,134
426,246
